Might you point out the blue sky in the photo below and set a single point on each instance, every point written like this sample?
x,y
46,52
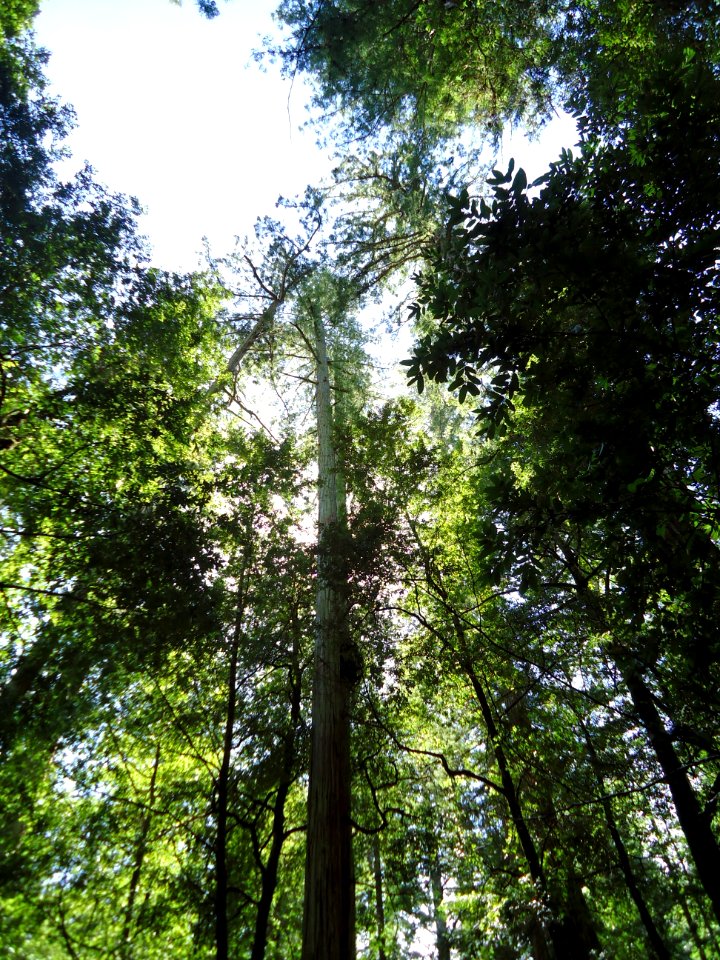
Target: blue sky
x,y
172,109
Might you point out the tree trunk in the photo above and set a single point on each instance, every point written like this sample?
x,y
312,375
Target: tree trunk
x,y
223,778
556,929
549,937
270,870
698,831
654,936
221,802
441,932
329,902
376,864
574,934
690,920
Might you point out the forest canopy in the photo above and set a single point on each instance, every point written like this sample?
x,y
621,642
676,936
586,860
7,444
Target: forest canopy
x,y
293,665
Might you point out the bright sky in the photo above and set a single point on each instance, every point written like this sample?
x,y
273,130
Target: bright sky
x,y
172,109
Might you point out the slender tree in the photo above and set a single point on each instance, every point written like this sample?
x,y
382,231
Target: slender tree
x,y
329,913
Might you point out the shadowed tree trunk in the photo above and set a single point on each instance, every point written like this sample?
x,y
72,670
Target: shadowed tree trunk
x,y
654,936
221,804
690,920
376,864
567,934
140,851
698,831
223,778
697,828
269,871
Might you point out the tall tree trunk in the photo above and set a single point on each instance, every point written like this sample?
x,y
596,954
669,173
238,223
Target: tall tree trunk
x,y
376,864
654,936
575,929
221,801
689,919
565,941
699,906
698,831
550,939
269,870
329,902
222,934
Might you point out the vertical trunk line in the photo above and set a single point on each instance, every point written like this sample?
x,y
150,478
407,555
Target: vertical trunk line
x,y
559,937
436,887
376,864
222,933
221,800
509,790
545,936
508,784
689,919
140,853
329,901
270,871
700,838
658,944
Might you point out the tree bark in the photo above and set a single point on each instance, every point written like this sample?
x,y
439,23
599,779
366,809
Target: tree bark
x,y
565,941
550,938
269,871
222,934
690,920
376,864
654,936
221,802
698,831
329,902
140,851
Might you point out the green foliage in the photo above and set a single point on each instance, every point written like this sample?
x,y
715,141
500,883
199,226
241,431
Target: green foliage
x,y
15,16
106,562
436,65
585,318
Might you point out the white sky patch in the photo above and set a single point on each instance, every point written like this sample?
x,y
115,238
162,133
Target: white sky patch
x,y
173,110
535,154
